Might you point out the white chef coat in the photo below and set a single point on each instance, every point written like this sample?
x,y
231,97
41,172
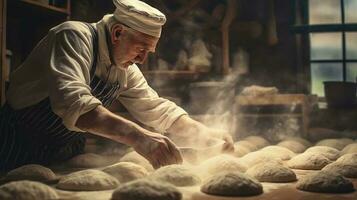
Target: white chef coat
x,y
59,68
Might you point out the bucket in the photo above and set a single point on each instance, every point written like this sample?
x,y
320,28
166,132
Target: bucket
x,y
340,94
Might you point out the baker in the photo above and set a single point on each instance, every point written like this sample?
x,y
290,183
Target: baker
x,y
64,87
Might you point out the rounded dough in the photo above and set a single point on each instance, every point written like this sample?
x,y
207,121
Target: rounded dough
x,y
351,148
221,163
26,190
348,159
338,144
328,152
232,184
134,157
89,160
293,145
256,157
240,150
300,140
258,141
146,190
282,152
309,161
178,175
271,172
88,180
325,182
349,171
248,145
31,172
126,171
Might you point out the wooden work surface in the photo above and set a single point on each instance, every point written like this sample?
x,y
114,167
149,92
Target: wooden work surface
x,y
272,191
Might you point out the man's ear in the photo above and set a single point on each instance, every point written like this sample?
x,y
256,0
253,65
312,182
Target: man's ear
x,y
117,29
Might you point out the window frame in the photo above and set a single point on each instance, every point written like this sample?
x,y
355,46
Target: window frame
x,y
300,21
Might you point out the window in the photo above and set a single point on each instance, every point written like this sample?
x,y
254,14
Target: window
x,y
332,29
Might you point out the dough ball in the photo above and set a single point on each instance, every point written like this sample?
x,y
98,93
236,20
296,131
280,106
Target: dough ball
x,y
126,171
179,175
325,182
309,161
258,141
300,140
88,180
232,184
328,152
240,150
293,146
271,172
282,152
31,172
26,190
146,190
351,148
136,158
348,159
338,144
89,160
349,171
256,157
221,163
248,145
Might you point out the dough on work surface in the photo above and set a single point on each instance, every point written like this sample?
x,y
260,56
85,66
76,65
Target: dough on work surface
x,y
89,160
247,144
328,152
31,172
338,144
300,140
26,190
349,171
126,171
258,141
293,146
256,157
348,159
309,161
282,152
351,148
325,182
134,157
240,150
255,90
271,172
88,180
178,175
220,163
146,190
232,184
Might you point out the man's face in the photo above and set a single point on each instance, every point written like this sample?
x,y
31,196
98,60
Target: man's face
x,y
132,47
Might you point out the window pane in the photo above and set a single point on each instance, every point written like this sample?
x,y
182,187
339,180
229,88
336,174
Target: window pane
x,y
326,46
350,11
351,45
321,72
351,72
324,11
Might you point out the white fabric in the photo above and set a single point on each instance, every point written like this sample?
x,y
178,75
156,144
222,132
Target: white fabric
x,y
59,68
139,16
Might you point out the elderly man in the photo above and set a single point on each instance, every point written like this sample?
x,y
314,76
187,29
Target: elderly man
x,y
75,72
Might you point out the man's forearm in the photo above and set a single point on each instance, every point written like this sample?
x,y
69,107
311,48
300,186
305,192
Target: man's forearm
x,y
101,121
185,126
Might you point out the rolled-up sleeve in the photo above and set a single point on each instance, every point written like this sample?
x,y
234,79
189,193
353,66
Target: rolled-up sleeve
x,y
145,104
69,77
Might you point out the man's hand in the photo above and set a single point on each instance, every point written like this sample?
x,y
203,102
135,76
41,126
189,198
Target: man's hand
x,y
158,149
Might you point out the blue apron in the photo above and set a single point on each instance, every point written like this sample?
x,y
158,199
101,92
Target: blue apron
x,y
35,134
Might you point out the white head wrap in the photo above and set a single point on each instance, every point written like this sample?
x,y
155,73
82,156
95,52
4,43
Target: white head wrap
x,y
139,16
